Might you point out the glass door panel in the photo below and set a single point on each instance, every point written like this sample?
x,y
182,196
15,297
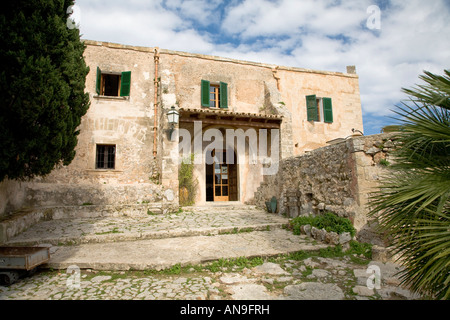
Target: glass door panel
x,y
220,177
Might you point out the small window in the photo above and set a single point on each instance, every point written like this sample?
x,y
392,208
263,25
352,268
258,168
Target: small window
x,y
106,157
113,84
319,109
214,95
319,106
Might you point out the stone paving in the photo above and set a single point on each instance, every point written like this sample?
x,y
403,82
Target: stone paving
x,y
190,222
314,278
184,256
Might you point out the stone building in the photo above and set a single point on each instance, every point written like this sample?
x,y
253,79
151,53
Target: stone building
x,y
128,154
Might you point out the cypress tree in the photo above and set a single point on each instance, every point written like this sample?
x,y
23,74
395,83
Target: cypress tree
x,y
42,81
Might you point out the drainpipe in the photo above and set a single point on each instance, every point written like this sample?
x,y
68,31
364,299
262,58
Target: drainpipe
x,y
155,102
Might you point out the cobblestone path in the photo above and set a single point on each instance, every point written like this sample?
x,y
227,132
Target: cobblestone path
x,y
214,253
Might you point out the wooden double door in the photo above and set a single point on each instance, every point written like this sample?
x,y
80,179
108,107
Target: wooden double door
x,y
221,178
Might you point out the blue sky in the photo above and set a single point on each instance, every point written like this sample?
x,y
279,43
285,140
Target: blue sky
x,y
325,35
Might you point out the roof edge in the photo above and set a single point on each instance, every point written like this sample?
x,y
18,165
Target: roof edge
x,y
215,58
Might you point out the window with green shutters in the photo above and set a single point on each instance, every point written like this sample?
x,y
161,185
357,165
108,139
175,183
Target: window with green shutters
x,y
223,95
113,84
319,109
327,110
311,108
205,93
214,95
125,84
99,81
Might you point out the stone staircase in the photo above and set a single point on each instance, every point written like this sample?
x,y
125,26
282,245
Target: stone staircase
x,y
148,240
18,221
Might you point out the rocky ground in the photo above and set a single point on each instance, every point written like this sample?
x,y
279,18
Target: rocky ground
x,y
200,253
303,276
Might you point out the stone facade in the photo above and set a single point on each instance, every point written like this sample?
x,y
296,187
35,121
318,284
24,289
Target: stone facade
x,y
147,159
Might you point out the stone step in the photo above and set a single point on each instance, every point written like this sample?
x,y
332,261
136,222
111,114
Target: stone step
x,y
164,253
191,236
118,236
17,222
192,221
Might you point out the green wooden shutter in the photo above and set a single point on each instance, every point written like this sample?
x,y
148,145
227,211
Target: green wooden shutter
x,y
99,81
205,94
327,110
125,84
223,95
311,108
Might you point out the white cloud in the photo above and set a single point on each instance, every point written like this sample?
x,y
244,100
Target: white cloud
x,y
204,12
328,35
253,18
145,23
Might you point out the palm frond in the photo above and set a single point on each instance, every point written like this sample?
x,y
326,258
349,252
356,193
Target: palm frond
x,y
413,202
436,91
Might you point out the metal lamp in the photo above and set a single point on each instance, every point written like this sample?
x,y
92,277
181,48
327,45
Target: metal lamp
x,y
172,117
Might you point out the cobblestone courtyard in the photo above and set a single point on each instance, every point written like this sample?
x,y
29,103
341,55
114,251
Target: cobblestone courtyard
x,y
315,278
234,253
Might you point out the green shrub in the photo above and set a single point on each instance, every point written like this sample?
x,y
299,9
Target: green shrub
x,y
361,248
187,183
328,221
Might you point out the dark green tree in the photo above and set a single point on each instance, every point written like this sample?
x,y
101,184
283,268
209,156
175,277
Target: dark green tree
x,y
42,81
413,202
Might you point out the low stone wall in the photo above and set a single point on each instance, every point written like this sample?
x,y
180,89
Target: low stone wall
x,y
20,220
59,194
314,182
338,178
12,196
327,237
24,204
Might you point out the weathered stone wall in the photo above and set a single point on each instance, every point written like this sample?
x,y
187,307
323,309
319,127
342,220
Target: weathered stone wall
x,y
268,89
128,123
372,159
257,88
337,178
342,88
316,181
12,196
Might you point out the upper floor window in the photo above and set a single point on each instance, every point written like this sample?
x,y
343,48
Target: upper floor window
x,y
319,109
113,84
214,95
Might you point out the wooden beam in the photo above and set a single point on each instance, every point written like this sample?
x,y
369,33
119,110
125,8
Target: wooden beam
x,y
267,125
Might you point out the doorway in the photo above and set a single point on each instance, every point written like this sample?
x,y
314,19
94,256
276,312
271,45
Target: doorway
x,y
221,178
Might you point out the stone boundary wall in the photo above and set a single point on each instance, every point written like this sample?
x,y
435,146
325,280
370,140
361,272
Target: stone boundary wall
x,y
23,204
12,196
316,181
338,178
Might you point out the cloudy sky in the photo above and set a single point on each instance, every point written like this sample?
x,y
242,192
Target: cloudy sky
x,y
391,42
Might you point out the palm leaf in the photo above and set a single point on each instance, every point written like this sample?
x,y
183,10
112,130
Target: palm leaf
x,y
412,203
